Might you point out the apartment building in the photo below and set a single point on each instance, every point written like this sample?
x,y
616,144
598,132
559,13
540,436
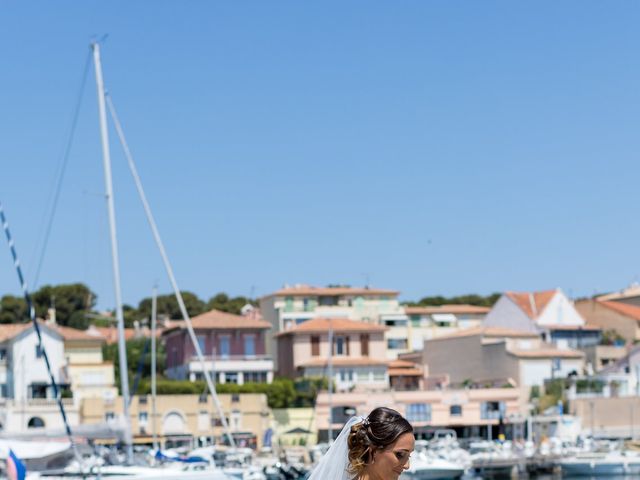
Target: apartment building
x,y
234,347
293,305
356,350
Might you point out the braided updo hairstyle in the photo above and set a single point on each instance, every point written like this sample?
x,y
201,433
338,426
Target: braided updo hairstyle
x,y
380,429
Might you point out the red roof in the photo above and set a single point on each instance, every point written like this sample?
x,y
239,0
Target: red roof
x,y
306,290
446,309
547,353
625,309
322,325
10,330
344,362
109,334
215,319
532,303
488,332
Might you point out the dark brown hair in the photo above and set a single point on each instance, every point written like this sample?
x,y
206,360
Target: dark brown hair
x,y
380,429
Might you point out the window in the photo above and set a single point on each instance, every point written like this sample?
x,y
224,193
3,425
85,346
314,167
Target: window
x,y
255,377
109,416
416,321
202,398
455,410
231,377
142,400
203,420
315,346
38,390
492,410
202,343
346,375
225,345
397,344
364,345
288,304
3,390
143,417
419,412
250,345
379,375
395,322
35,422
328,301
235,397
3,354
341,345
39,351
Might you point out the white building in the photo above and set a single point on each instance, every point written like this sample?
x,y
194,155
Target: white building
x,y
430,322
292,306
549,313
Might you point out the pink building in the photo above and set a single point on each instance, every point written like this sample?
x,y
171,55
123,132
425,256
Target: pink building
x,y
233,346
358,357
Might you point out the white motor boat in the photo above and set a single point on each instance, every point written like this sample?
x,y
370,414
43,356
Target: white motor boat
x,y
596,464
428,467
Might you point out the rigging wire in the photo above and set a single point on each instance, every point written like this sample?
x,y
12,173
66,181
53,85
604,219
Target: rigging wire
x,y
61,170
32,315
168,267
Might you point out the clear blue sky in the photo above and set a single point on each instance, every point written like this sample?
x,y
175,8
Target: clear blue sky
x,y
432,147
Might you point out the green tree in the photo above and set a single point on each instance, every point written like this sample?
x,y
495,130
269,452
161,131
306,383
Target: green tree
x,y
224,303
71,301
168,305
135,348
469,299
13,309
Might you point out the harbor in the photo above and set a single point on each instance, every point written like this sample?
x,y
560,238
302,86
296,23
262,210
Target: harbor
x,y
341,241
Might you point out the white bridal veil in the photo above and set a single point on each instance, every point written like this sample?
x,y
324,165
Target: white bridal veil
x,y
333,464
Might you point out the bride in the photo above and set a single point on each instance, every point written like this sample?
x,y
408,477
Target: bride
x,y
373,448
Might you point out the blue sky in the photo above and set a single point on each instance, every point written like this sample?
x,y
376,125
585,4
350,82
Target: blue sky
x,y
431,147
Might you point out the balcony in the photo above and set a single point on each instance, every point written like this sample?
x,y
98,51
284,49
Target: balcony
x,y
48,402
231,358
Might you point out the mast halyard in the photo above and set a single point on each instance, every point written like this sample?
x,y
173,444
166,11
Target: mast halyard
x,y
122,352
154,316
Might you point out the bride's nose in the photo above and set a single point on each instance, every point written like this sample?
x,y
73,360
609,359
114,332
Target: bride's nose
x,y
406,465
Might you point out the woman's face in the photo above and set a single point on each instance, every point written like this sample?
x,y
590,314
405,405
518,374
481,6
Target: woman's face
x,y
393,460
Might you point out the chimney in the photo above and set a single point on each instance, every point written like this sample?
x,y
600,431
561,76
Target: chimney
x,y
51,315
532,302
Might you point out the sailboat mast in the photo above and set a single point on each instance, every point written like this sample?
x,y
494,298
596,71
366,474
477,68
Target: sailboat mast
x,y
330,386
104,134
154,315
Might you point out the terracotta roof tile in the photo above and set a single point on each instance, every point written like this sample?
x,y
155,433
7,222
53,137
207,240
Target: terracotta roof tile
x,y
446,309
547,353
625,309
488,332
401,364
405,372
344,362
532,303
215,319
10,330
321,325
110,334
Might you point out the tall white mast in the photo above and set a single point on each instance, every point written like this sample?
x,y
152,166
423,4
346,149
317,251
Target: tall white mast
x,y
330,386
104,134
154,314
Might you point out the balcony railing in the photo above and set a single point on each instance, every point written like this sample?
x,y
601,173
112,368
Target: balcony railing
x,y
47,402
227,358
